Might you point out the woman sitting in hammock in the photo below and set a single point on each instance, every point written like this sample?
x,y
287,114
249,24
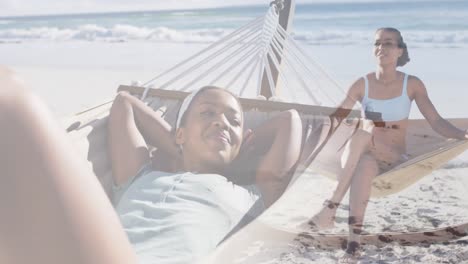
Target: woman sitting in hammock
x,y
382,143
55,211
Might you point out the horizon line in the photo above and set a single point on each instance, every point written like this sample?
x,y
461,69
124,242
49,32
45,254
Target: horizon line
x,y
320,2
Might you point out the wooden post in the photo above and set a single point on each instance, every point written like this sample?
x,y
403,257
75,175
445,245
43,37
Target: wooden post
x,y
285,20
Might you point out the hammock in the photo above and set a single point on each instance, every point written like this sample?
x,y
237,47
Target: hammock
x,y
244,62
262,55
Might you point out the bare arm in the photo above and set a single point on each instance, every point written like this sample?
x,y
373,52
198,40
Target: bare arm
x,y
132,125
439,124
354,94
281,136
155,130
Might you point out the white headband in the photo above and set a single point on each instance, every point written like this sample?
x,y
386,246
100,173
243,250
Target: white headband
x,y
185,105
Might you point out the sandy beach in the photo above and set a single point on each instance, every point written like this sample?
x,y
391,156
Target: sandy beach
x,y
71,76
438,200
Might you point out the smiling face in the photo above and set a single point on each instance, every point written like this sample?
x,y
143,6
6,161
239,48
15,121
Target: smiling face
x,y
387,48
211,134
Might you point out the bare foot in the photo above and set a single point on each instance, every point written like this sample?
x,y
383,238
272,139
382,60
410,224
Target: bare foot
x,y
325,219
352,253
348,259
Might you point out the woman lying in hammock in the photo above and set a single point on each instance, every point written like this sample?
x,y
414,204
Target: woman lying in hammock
x,y
382,143
55,211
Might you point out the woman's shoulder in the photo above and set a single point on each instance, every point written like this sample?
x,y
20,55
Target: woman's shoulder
x,y
361,81
415,86
414,82
411,78
357,87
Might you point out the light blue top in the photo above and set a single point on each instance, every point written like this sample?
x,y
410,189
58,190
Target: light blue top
x,y
178,218
393,109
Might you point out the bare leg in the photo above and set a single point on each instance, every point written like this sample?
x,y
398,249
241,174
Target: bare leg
x,y
361,184
53,207
355,148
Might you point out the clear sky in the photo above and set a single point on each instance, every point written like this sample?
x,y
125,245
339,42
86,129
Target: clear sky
x,y
34,7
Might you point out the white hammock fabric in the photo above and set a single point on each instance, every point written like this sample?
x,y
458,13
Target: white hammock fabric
x,y
240,60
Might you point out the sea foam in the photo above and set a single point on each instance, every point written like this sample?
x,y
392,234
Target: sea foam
x,y
125,32
413,38
119,32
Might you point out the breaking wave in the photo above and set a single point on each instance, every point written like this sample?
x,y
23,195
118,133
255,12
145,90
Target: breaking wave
x,y
124,33
117,33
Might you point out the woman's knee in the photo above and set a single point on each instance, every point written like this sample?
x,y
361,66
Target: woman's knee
x,y
9,86
16,101
120,103
360,142
368,165
12,90
363,136
356,146
121,96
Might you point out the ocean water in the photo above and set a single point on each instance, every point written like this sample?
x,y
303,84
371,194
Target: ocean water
x,y
429,23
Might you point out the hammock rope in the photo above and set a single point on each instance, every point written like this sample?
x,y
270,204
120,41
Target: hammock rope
x,y
301,80
209,58
222,61
260,73
261,46
209,48
310,60
250,73
290,52
236,63
277,65
271,83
